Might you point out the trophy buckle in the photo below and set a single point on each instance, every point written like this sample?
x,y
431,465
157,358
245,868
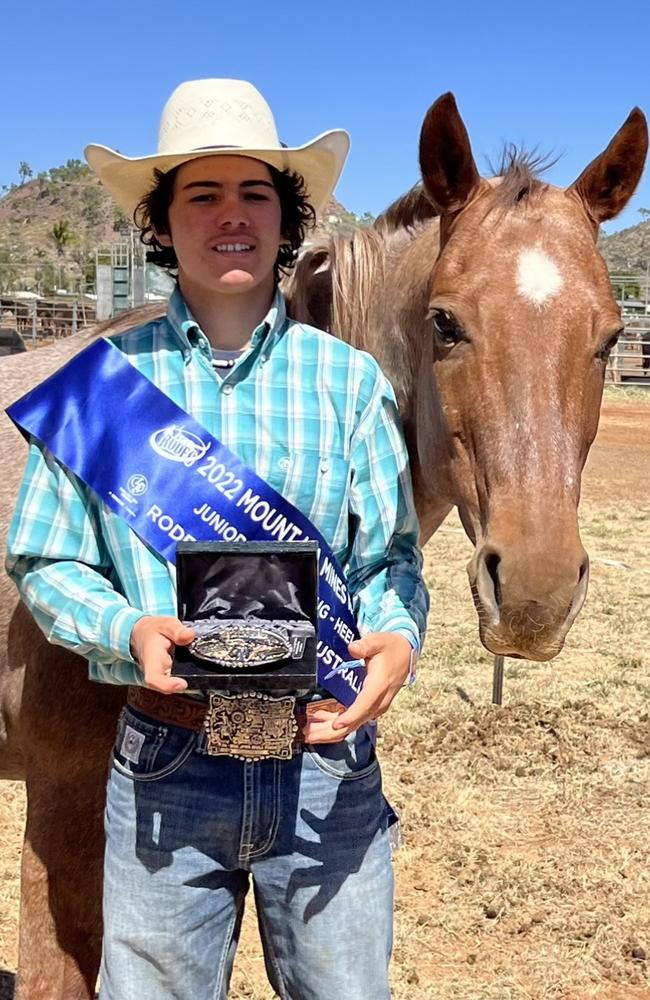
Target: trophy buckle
x,y
251,726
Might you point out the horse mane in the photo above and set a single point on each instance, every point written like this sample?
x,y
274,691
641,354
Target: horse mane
x,y
407,211
127,320
333,281
357,268
519,171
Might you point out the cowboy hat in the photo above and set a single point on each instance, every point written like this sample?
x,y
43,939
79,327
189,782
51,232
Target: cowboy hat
x,y
216,118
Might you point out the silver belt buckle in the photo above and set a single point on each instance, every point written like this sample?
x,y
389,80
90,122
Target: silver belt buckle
x,y
238,644
250,726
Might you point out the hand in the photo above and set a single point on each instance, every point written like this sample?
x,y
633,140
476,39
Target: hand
x,y
387,656
152,642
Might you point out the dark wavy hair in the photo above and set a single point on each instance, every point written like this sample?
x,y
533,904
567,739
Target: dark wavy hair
x,y
298,217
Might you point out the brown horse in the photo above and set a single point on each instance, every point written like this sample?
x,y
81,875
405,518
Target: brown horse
x,y
489,308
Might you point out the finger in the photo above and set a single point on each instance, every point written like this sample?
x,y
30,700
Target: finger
x,y
167,685
157,675
364,706
322,732
172,628
322,715
367,646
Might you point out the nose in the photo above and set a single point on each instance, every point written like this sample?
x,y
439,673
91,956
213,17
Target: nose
x,y
233,212
537,591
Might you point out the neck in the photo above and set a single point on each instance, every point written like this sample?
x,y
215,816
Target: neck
x,y
228,319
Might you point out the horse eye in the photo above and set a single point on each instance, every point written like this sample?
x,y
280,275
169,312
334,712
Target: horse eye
x,y
447,329
605,350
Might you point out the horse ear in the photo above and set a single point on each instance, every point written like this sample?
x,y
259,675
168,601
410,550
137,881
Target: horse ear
x,y
307,289
607,184
449,173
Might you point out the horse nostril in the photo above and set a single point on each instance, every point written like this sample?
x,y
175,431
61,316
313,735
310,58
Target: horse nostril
x,y
584,569
488,585
492,561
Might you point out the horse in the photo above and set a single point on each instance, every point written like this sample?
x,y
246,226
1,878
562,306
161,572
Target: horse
x,y
488,306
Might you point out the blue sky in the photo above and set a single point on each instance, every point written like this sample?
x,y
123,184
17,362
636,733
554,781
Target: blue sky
x,y
559,75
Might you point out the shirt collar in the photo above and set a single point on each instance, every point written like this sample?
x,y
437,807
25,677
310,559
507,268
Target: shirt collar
x,y
188,331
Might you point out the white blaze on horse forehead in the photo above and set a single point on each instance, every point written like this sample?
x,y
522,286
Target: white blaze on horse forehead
x,y
538,276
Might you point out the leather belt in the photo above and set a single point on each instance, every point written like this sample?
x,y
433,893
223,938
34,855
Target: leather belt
x,y
250,726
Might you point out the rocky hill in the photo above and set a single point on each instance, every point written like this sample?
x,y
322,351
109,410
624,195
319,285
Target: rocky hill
x,y
627,251
51,226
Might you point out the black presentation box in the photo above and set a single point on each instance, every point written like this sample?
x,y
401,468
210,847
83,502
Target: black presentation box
x,y
248,600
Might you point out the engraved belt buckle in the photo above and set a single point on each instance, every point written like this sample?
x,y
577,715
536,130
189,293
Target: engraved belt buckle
x,y
250,726
244,644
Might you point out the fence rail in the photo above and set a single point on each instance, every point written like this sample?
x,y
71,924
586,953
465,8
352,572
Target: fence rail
x,y
43,320
629,362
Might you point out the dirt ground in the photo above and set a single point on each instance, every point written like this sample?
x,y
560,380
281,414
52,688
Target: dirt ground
x,y
616,464
524,871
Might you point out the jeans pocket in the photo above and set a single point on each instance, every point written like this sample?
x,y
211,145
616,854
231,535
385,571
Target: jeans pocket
x,y
146,750
351,759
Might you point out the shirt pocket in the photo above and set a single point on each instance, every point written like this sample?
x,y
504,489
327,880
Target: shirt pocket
x,y
317,484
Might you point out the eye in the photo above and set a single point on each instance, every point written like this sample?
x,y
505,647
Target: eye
x,y
603,353
447,329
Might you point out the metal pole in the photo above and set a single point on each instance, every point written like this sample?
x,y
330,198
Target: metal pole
x,y
74,316
497,680
34,324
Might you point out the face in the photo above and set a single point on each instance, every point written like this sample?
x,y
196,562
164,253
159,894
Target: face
x,y
224,225
523,318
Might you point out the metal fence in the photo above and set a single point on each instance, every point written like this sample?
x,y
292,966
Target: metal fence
x,y
42,320
629,362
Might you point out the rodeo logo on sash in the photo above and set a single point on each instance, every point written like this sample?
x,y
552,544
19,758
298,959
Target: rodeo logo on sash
x,y
111,426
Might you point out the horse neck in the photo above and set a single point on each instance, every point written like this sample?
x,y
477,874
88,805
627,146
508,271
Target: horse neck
x,y
380,287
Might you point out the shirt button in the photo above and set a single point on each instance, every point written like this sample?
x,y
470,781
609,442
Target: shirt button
x,y
264,358
284,464
324,465
227,388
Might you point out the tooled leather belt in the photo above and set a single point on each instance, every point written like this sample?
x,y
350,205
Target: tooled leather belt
x,y
250,727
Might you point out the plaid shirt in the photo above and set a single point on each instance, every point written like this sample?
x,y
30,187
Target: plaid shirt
x,y
311,415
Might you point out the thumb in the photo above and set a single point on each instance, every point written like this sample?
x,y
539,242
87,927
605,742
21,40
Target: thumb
x,y
184,635
180,634
360,649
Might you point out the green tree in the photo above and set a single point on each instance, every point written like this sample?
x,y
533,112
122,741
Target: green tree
x,y
120,222
47,278
62,236
92,202
8,269
367,220
25,172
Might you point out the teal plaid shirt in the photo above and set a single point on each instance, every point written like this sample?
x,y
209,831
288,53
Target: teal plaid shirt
x,y
311,415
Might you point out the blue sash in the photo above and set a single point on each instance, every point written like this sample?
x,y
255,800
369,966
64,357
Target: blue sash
x,y
172,481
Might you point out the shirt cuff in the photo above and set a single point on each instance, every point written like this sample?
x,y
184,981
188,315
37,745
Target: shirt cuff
x,y
118,628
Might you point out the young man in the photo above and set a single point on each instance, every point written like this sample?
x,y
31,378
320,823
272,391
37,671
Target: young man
x,y
225,205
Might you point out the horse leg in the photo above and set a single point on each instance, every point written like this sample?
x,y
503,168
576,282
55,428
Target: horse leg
x,y
61,891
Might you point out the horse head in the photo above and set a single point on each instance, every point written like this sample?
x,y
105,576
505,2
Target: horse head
x,y
488,306
520,319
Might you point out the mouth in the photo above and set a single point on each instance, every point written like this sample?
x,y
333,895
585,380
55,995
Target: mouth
x,y
233,249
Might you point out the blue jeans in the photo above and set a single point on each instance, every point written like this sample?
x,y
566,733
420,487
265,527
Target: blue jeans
x,y
186,832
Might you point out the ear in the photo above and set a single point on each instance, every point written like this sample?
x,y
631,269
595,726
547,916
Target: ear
x,y
449,173
164,239
308,288
607,184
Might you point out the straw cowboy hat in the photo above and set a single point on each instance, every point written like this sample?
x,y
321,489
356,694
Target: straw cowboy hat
x,y
213,118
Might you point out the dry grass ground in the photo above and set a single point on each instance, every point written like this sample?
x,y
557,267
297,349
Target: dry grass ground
x,y
524,873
